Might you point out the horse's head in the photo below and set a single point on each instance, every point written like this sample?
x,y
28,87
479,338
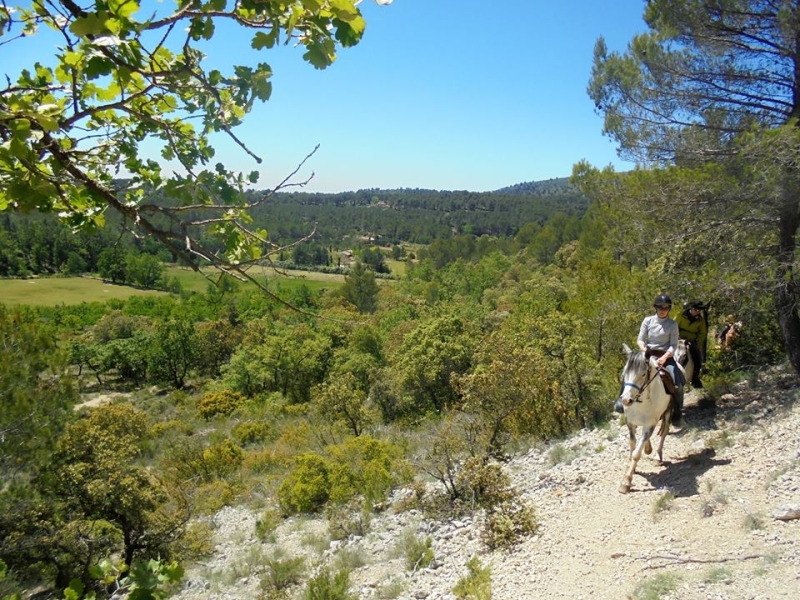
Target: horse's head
x,y
682,353
634,376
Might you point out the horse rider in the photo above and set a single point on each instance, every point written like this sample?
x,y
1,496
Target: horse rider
x,y
693,328
658,336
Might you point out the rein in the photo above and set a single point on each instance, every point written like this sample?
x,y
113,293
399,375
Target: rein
x,y
646,383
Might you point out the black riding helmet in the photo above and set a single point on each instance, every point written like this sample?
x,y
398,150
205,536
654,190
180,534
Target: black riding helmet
x,y
662,299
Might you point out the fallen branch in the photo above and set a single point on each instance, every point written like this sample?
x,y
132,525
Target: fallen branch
x,y
677,560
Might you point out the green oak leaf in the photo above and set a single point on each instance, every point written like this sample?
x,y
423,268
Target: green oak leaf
x,y
90,25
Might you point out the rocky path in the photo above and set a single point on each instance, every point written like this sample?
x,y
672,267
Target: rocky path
x,y
716,521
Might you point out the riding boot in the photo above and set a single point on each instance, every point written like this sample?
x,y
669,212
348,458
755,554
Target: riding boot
x,y
677,409
696,383
618,404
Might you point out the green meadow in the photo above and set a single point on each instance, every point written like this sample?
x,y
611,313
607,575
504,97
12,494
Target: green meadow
x,y
52,291
277,281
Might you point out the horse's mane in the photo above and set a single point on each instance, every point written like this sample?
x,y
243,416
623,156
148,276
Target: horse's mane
x,y
637,361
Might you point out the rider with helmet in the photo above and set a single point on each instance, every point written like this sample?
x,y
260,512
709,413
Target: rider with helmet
x,y
658,336
693,328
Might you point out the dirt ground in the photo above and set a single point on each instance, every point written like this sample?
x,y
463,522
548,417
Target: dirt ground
x,y
716,521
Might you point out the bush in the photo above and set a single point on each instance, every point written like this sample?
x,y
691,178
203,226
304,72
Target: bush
x,y
507,524
361,466
211,497
476,584
306,487
328,586
219,403
416,552
348,519
265,461
251,432
368,467
195,543
486,485
222,459
267,524
282,573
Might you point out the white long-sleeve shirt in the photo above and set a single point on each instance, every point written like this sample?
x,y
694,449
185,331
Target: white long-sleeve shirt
x,y
659,334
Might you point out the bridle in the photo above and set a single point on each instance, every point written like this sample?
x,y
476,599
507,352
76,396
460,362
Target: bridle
x,y
641,389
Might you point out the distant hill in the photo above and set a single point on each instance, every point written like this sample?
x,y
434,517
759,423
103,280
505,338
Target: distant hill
x,y
558,185
417,215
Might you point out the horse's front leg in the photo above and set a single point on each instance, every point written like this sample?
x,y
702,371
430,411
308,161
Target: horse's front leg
x,y
665,420
636,454
631,436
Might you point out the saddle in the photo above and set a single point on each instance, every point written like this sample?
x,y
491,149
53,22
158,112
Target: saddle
x,y
669,385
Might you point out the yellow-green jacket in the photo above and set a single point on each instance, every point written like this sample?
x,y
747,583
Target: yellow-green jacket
x,y
694,330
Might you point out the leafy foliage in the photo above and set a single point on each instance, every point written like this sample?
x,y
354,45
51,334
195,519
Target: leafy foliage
x,y
223,402
700,93
125,79
360,466
416,551
329,586
507,524
306,488
476,584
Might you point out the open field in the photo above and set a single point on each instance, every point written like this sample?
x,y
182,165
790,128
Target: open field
x,y
286,281
52,291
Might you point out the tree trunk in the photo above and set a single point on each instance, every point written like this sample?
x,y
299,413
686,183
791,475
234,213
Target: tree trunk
x,y
786,296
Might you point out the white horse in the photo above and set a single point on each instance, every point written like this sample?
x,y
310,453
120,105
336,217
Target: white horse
x,y
646,403
684,358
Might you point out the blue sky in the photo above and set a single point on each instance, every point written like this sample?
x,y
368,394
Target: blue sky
x,y
445,94
442,94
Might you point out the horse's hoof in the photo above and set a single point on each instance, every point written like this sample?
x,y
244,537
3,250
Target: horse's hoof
x,y
624,488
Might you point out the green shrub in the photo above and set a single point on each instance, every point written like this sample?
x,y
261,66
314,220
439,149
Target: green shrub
x,y
663,503
211,497
391,589
416,552
656,587
344,520
365,466
219,403
196,542
350,559
305,488
507,524
476,584
267,524
251,432
222,459
172,427
485,485
327,586
282,573
266,461
560,454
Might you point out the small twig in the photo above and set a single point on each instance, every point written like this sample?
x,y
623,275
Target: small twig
x,y
677,560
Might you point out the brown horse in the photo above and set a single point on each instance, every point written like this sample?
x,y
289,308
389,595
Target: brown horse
x,y
729,335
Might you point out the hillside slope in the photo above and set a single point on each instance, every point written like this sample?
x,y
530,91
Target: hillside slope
x,y
702,526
